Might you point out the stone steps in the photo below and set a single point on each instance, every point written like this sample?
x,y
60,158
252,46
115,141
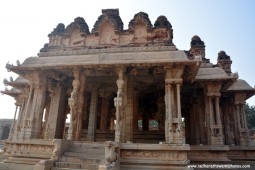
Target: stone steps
x,y
57,168
72,165
87,144
22,160
81,156
87,150
75,165
79,160
84,154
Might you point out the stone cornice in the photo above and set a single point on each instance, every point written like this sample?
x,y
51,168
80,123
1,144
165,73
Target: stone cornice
x,y
61,52
133,58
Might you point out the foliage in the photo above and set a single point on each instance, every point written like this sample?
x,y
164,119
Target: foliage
x,y
250,114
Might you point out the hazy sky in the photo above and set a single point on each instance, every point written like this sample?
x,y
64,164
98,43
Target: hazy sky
x,y
227,25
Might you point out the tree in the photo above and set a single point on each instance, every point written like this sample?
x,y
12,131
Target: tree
x,y
250,115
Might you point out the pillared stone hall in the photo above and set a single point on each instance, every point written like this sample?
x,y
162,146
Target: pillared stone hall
x,y
112,98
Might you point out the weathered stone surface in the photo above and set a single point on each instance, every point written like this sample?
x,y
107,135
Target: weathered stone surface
x,y
156,106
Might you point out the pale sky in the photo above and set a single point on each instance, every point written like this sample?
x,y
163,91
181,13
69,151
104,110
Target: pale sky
x,y
227,25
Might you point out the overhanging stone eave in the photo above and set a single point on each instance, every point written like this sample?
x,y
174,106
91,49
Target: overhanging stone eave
x,y
242,90
213,79
112,58
249,93
46,66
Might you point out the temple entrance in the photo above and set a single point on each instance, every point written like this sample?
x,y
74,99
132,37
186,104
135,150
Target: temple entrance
x,y
150,120
105,118
147,112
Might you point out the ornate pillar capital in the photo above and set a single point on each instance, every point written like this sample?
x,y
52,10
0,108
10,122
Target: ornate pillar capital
x,y
104,93
216,95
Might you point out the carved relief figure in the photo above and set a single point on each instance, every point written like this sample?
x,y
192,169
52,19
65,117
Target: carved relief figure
x,y
111,154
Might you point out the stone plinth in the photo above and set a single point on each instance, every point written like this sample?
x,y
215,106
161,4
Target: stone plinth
x,y
208,153
29,148
154,156
30,153
241,153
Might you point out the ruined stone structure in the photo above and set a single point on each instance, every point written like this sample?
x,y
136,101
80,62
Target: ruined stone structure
x,y
134,100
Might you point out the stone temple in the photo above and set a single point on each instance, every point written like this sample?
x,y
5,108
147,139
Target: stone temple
x,y
112,98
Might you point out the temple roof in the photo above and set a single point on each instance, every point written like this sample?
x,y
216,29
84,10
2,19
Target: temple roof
x,y
104,59
108,32
109,46
243,87
240,85
214,73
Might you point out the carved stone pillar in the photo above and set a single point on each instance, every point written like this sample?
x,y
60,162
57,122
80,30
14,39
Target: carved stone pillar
x,y
11,134
72,102
34,106
217,137
119,104
56,112
173,81
28,104
179,115
18,124
35,97
128,129
32,121
229,119
241,119
161,110
168,121
25,132
92,114
135,111
37,114
80,107
104,110
216,132
178,100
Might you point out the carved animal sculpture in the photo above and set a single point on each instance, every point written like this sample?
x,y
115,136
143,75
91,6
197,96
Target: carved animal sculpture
x,y
111,155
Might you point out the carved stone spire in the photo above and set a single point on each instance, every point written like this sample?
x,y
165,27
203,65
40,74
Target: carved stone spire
x,y
162,22
59,30
223,56
197,48
224,61
197,42
141,16
112,15
80,23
